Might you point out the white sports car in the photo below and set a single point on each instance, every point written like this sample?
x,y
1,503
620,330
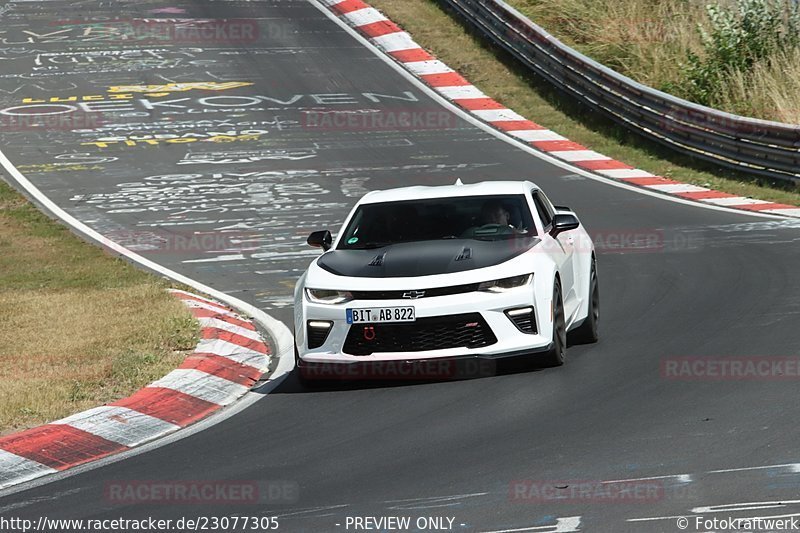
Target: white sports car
x,y
425,274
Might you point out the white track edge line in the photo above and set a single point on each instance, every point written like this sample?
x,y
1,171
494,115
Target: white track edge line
x,y
278,331
279,334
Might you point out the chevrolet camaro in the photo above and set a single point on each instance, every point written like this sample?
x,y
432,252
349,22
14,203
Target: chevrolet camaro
x,y
422,274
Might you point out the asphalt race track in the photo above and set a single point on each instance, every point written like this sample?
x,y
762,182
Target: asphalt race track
x,y
223,182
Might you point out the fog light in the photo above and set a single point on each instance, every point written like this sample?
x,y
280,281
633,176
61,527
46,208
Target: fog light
x,y
523,318
317,332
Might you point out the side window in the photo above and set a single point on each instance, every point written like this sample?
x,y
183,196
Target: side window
x,y
547,203
543,208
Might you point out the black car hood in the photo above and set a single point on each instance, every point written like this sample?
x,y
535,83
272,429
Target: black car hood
x,y
426,258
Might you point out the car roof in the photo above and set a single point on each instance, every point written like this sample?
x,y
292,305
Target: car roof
x,y
484,188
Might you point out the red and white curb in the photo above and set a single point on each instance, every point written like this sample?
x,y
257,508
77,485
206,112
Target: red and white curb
x,y
392,40
230,357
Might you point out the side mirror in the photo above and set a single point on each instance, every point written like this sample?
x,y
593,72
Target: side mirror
x,y
564,222
320,239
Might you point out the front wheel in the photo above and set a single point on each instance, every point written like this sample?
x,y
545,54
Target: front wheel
x,y
587,332
557,354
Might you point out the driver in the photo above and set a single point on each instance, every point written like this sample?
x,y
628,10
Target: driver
x,y
494,220
493,212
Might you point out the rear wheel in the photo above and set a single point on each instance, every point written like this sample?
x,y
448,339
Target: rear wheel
x,y
587,332
557,354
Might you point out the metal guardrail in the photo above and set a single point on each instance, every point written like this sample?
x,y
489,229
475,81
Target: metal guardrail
x,y
770,149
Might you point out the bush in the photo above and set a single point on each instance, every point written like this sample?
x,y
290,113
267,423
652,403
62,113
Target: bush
x,y
748,32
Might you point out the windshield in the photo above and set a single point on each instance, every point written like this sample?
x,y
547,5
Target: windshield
x,y
467,217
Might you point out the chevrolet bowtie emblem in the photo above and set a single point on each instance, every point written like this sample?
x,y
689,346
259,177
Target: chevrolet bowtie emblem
x,y
414,294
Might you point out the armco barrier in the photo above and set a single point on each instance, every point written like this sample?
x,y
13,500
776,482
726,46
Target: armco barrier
x,y
770,149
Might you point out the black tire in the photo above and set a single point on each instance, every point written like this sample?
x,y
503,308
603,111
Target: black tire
x,y
588,331
558,353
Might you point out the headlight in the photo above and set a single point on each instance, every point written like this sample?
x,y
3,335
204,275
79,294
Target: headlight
x,y
325,296
506,284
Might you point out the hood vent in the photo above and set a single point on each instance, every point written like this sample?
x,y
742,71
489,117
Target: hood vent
x,y
377,261
422,258
466,253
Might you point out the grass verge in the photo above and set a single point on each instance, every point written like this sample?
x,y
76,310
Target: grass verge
x,y
500,76
79,328
749,64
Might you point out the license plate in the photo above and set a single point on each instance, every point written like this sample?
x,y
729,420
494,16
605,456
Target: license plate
x,y
381,314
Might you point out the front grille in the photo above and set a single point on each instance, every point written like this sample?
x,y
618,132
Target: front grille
x,y
526,322
398,295
434,333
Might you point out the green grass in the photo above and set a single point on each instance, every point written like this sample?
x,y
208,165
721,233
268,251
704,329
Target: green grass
x,y
80,327
500,76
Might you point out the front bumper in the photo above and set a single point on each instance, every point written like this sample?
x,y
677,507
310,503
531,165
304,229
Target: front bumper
x,y
431,369
507,337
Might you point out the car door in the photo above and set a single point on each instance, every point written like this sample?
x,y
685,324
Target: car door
x,y
562,250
